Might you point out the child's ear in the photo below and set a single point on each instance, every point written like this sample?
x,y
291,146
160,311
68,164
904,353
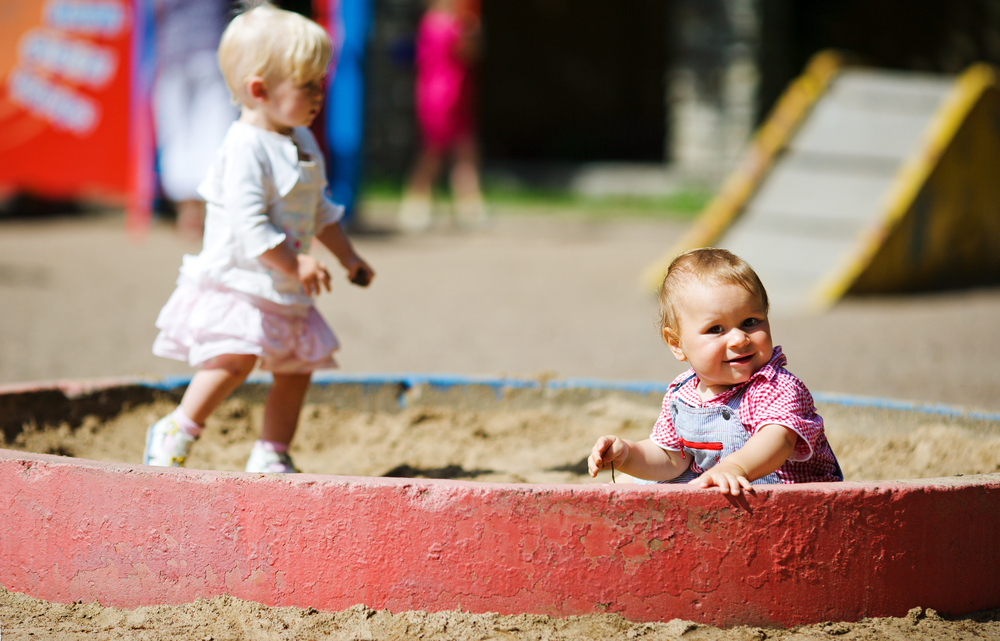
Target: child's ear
x,y
674,343
257,88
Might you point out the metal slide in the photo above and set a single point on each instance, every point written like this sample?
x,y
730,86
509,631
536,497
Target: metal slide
x,y
851,159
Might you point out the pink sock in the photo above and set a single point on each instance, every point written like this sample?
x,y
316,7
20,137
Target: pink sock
x,y
187,426
273,446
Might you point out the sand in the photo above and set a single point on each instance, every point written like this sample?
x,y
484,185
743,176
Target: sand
x,y
227,619
489,444
529,296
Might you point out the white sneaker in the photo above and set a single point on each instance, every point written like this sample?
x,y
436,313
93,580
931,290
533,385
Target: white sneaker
x,y
166,444
415,214
265,461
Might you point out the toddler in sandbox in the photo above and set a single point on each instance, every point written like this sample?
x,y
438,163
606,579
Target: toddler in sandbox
x,y
247,297
737,417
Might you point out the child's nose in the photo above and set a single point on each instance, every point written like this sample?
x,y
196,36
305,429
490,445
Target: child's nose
x,y
738,338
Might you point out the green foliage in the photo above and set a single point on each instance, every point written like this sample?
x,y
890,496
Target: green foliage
x,y
682,204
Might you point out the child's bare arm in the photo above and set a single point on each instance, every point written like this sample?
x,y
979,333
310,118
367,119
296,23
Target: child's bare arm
x,y
307,270
763,453
334,239
642,459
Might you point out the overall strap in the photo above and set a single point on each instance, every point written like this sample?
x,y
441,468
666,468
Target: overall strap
x,y
733,403
677,386
737,398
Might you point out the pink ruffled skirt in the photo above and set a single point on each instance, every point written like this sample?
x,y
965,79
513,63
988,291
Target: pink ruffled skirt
x,y
201,321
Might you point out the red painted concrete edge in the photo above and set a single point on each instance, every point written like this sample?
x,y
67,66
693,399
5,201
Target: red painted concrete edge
x,y
129,535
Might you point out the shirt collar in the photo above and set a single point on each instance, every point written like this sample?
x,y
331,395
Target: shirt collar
x,y
276,145
770,370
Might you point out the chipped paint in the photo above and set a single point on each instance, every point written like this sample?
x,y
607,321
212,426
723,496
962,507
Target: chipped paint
x,y
129,535
133,535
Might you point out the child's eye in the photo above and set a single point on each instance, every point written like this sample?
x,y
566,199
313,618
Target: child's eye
x,y
715,329
751,322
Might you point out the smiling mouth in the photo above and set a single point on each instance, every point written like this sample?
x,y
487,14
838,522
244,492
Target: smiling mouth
x,y
742,360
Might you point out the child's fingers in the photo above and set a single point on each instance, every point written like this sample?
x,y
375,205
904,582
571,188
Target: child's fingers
x,y
595,462
713,478
703,481
729,478
362,276
729,483
594,465
324,278
604,451
313,275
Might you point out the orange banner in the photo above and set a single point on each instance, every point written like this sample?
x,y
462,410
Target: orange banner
x,y
65,98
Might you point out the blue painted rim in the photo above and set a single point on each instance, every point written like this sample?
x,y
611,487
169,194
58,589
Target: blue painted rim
x,y
445,381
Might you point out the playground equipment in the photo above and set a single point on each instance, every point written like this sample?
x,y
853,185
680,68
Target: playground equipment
x,y
130,535
864,181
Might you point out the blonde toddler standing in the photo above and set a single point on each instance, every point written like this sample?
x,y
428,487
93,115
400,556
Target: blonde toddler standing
x,y
246,299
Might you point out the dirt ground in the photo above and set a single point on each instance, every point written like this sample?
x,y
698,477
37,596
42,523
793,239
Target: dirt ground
x,y
529,296
225,618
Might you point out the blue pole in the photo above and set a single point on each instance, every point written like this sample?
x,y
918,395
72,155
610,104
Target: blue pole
x,y
346,103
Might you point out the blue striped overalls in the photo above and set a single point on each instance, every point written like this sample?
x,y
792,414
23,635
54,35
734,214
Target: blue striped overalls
x,y
708,434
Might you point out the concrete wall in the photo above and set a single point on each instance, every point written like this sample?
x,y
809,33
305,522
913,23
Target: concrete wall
x,y
129,535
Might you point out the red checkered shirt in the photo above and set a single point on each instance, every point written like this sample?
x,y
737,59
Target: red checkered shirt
x,y
773,396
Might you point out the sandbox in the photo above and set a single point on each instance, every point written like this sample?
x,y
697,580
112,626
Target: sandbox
x,y
125,534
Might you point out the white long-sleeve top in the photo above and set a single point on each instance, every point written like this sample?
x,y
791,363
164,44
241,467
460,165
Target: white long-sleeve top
x,y
260,194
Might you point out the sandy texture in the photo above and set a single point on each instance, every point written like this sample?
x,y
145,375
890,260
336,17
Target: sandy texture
x,y
528,296
227,619
489,445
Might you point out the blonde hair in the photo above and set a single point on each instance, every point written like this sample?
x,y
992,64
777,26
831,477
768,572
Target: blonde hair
x,y
274,44
707,265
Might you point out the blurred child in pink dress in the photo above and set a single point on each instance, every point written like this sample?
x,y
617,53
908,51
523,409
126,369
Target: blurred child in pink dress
x,y
446,48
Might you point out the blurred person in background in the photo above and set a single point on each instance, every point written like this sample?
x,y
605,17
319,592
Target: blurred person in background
x,y
447,47
191,104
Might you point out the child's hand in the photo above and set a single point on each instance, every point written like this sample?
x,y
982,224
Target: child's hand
x,y
334,239
763,453
312,274
729,478
607,450
360,273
